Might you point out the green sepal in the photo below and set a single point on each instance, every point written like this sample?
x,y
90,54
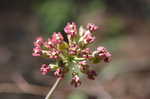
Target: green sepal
x,y
95,60
63,46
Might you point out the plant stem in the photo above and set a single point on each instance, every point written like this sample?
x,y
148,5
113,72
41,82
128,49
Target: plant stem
x,y
48,96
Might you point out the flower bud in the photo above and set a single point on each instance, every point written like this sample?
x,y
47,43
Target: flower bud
x,y
57,38
48,43
92,27
86,53
104,54
91,74
37,51
59,73
75,81
88,38
39,41
71,29
73,49
44,69
53,53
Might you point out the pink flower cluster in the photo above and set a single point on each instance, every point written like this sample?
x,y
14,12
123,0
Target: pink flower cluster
x,y
73,55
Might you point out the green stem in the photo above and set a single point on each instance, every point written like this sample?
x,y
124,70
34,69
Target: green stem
x,y
48,96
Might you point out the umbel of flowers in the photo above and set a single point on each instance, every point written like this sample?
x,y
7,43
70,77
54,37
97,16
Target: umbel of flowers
x,y
72,55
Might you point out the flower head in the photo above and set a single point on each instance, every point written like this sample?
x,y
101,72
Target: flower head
x,y
71,56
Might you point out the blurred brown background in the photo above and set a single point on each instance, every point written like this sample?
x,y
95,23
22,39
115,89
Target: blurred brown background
x,y
126,33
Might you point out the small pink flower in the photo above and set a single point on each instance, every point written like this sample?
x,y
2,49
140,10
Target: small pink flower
x,y
48,43
39,41
57,38
91,74
59,73
92,27
75,81
45,69
107,57
88,38
101,49
71,29
53,53
86,53
36,51
73,49
104,54
84,68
